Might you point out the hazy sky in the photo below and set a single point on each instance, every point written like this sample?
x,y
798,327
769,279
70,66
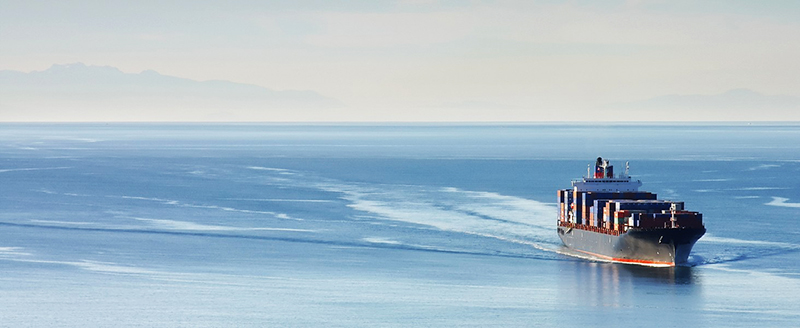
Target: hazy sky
x,y
385,60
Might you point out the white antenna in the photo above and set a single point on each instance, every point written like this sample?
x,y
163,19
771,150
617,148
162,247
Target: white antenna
x,y
627,169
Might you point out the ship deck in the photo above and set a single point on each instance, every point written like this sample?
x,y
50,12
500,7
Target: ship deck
x,y
590,228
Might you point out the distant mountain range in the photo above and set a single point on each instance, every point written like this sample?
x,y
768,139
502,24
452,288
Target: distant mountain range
x,y
77,92
736,104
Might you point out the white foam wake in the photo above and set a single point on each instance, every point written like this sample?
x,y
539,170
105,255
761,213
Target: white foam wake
x,y
34,169
282,216
712,249
193,226
272,169
11,251
486,214
782,202
735,241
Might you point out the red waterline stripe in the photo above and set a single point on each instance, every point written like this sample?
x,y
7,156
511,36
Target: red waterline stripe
x,y
615,259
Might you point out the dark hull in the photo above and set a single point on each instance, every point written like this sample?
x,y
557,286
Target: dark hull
x,y
659,247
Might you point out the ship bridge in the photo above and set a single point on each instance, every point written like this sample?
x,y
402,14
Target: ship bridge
x,y
604,179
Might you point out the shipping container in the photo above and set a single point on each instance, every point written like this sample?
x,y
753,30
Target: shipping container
x,y
654,220
648,205
567,203
608,217
622,213
689,220
619,224
578,211
598,208
633,220
585,209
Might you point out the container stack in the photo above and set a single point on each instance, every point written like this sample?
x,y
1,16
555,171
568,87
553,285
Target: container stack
x,y
620,211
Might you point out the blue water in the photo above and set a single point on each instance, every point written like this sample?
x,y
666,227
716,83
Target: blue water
x,y
165,225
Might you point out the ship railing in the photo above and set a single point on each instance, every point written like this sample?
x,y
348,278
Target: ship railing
x,y
590,228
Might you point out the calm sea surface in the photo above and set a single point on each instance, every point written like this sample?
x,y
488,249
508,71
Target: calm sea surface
x,y
168,225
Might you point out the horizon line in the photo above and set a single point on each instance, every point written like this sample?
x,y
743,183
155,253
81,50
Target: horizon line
x,y
733,122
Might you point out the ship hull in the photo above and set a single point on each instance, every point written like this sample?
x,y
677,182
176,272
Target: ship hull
x,y
655,247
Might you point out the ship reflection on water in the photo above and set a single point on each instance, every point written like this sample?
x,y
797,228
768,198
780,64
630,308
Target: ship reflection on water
x,y
678,275
599,284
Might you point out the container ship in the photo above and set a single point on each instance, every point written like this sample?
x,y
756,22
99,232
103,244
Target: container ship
x,y
606,216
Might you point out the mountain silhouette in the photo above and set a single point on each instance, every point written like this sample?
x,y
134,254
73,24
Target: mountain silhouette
x,y
78,92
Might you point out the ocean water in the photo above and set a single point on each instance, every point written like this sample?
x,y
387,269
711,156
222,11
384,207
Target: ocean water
x,y
261,225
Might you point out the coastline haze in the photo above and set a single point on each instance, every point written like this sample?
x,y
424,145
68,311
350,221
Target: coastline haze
x,y
426,60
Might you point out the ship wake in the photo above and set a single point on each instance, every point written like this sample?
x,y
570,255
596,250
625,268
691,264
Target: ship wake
x,y
718,250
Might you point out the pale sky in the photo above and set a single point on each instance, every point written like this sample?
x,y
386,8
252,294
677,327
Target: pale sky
x,y
426,59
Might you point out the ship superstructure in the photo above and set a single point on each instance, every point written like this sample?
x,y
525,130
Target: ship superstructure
x,y
606,216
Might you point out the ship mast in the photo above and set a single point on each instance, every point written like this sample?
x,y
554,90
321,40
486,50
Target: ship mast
x,y
673,220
